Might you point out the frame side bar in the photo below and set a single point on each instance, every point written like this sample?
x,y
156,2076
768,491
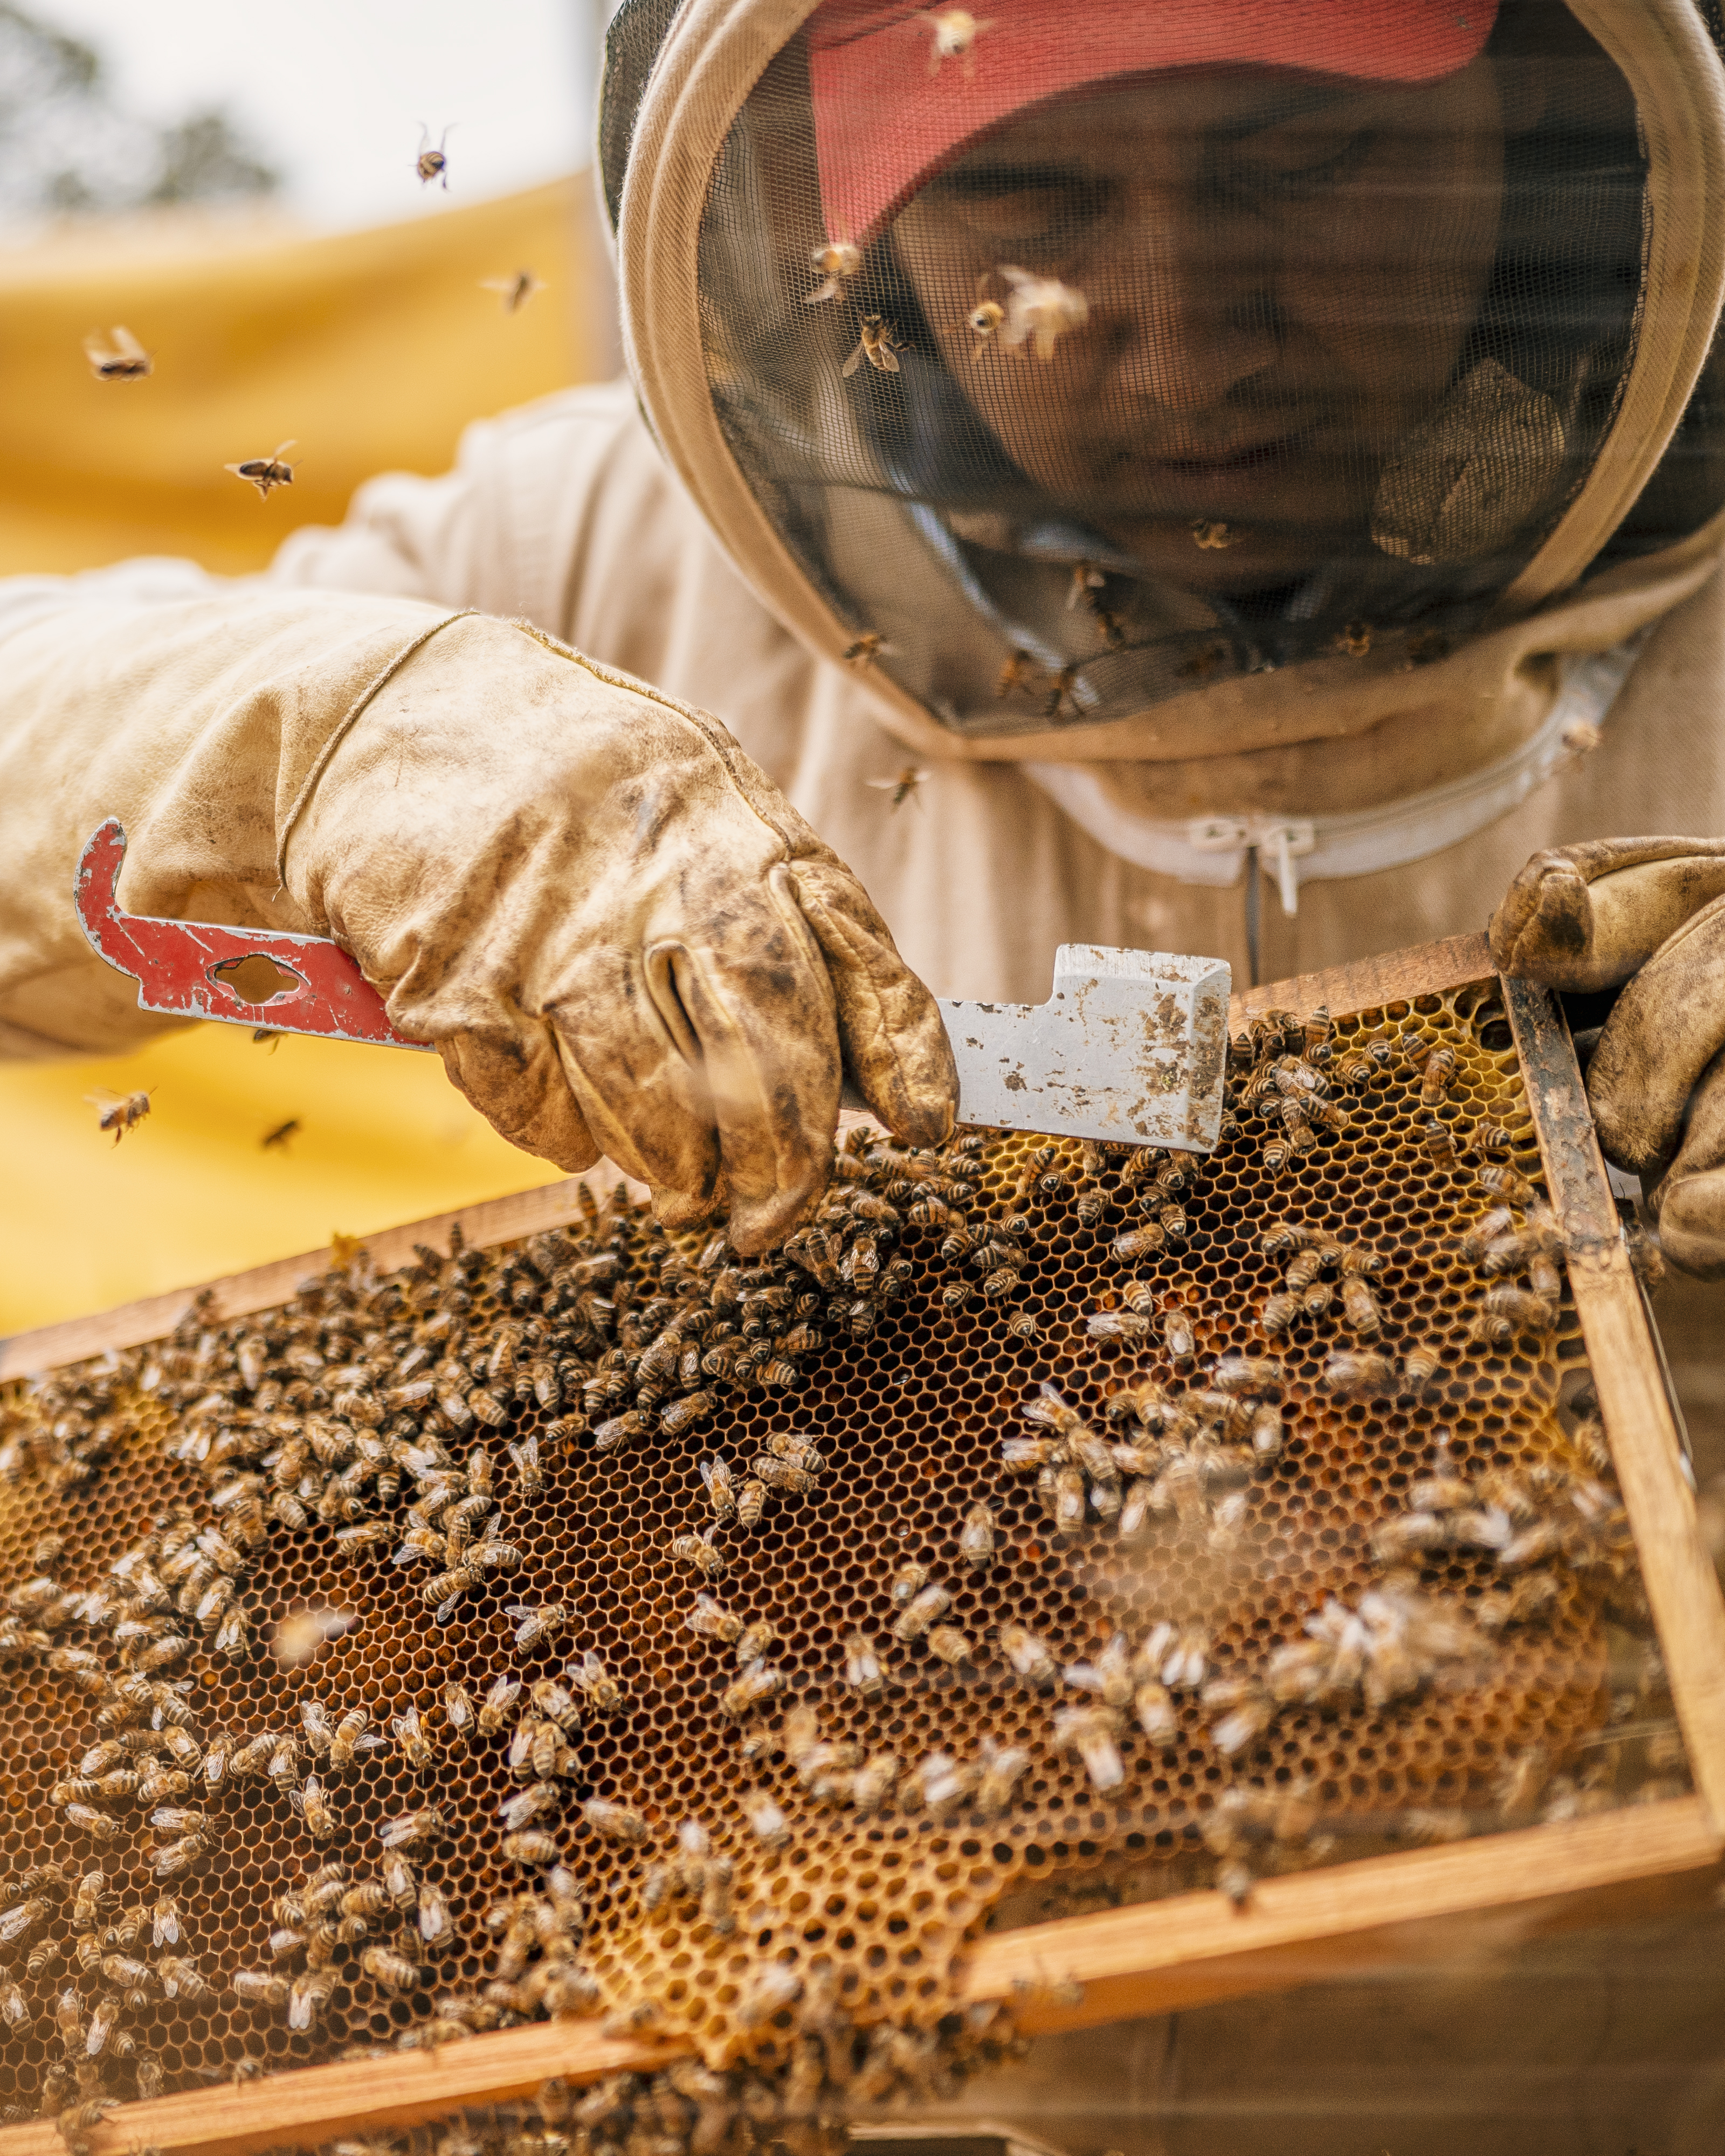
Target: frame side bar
x,y
1682,1587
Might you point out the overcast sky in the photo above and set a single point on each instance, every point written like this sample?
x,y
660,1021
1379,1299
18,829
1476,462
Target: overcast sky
x,y
333,91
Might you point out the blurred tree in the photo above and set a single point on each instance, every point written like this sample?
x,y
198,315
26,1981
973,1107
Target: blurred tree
x,y
66,146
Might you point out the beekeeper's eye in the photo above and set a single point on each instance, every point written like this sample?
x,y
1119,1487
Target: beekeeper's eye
x,y
1302,169
1024,203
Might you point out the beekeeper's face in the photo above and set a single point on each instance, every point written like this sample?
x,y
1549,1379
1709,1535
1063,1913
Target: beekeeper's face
x,y
1278,275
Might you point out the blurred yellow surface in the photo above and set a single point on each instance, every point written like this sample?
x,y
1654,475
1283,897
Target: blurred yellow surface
x,y
372,350
192,1193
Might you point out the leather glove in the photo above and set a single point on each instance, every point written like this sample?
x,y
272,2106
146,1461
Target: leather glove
x,y
1649,913
620,935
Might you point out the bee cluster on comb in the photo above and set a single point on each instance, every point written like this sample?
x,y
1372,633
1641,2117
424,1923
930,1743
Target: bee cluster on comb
x,y
601,1624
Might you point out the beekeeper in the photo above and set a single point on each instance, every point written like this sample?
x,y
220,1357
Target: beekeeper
x,y
1261,464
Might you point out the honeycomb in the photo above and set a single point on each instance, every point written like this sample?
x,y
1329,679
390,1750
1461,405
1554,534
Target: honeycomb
x,y
1325,1607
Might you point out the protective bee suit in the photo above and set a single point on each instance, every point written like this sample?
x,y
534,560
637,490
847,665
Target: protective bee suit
x,y
1253,460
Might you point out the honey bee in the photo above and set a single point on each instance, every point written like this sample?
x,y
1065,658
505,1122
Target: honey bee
x,y
1359,1376
878,344
953,32
533,1850
697,1550
1212,535
1505,1311
536,1626
1360,1307
1439,1069
392,1970
541,1800
597,1686
261,1986
309,1994
501,1703
119,1112
1093,1733
838,261
613,1822
264,473
351,1737
412,1829
920,1611
514,291
312,1805
434,1918
712,1620
122,358
755,1644
766,1821
751,1690
948,1644
181,1856
1028,1655
432,164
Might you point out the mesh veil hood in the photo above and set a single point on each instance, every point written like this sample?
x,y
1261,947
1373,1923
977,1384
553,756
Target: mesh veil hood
x,y
909,369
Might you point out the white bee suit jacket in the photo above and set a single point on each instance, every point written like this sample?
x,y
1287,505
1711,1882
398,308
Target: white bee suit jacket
x,y
565,513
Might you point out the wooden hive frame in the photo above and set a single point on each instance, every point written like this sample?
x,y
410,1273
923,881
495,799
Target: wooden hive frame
x,y
1194,1948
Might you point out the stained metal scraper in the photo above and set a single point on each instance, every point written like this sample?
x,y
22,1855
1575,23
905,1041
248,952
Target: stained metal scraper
x,y
1132,1046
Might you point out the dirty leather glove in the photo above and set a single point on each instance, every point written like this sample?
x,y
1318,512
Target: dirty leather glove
x,y
619,934
617,931
1650,913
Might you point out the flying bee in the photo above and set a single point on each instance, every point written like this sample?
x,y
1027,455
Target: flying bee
x,y
1014,673
1041,309
264,473
838,261
953,32
119,1112
906,785
987,315
122,358
878,344
514,291
432,164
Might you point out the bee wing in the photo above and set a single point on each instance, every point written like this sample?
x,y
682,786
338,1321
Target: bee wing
x,y
887,359
104,1097
126,344
881,785
275,454
95,349
854,362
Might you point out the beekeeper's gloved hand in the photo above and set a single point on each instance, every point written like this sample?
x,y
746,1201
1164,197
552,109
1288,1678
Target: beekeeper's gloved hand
x,y
619,935
1650,913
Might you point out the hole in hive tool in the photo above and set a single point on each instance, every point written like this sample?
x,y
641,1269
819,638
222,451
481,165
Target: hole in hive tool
x,y
1132,1046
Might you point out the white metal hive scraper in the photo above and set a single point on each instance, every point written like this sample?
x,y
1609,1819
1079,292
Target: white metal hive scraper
x,y
1132,1045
